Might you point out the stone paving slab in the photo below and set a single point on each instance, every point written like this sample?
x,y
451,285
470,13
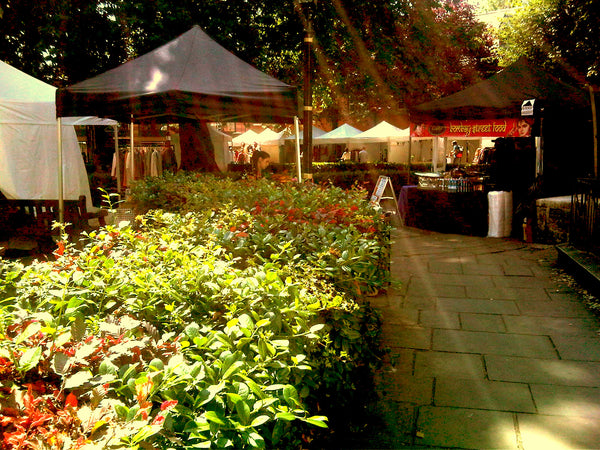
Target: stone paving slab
x,y
400,360
430,364
462,280
465,428
577,347
420,302
493,343
429,289
552,309
482,269
507,293
563,295
439,319
445,267
570,326
401,336
517,270
400,387
521,282
482,322
483,394
473,305
540,432
543,371
567,400
402,316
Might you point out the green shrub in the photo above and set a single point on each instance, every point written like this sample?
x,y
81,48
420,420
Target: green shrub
x,y
223,325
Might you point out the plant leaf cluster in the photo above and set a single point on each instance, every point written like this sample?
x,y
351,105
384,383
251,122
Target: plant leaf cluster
x,y
216,326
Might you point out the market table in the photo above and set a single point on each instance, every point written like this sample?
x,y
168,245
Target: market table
x,y
447,212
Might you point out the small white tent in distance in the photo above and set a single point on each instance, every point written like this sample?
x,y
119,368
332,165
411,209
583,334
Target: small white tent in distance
x,y
384,142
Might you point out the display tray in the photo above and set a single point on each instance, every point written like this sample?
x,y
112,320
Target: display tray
x,y
450,184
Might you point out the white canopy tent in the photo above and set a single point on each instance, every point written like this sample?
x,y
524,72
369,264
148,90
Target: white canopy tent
x,y
269,137
317,132
384,142
339,135
248,137
29,159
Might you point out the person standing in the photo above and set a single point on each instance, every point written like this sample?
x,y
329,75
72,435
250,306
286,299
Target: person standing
x,y
346,155
457,152
363,155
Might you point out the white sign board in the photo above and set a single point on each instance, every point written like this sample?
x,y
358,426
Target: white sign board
x,y
527,107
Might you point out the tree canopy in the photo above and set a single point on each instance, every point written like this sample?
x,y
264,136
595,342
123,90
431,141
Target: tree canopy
x,y
373,56
561,35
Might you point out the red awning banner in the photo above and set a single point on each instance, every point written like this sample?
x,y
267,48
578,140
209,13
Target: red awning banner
x,y
473,128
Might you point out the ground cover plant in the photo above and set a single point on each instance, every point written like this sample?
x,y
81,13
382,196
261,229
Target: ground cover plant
x,y
232,317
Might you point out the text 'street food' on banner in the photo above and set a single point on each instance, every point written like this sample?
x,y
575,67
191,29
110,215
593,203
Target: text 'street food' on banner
x,y
521,127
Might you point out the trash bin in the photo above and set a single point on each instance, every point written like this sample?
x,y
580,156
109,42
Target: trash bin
x,y
500,212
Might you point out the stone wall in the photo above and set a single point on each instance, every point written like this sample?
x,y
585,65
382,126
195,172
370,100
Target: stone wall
x,y
552,221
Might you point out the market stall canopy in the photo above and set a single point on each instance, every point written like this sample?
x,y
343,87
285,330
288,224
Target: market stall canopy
x,y
339,135
317,132
382,132
88,121
502,94
247,137
190,77
269,136
28,144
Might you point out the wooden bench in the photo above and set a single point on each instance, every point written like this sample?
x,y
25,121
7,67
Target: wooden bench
x,y
34,218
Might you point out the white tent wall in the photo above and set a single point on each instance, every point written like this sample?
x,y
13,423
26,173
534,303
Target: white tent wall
x,y
398,152
273,149
374,149
220,143
421,150
28,142
29,163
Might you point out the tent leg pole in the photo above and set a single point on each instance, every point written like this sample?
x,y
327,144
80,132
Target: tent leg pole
x,y
61,203
117,159
131,155
298,160
594,129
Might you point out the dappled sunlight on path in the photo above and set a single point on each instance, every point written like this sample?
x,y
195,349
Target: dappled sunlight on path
x,y
487,349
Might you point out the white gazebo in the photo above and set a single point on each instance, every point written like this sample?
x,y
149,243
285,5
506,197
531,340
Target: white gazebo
x,y
384,142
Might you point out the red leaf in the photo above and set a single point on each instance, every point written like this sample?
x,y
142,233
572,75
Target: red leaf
x,y
61,248
71,400
168,405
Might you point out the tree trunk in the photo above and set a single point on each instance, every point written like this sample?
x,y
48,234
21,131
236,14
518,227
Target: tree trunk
x,y
197,151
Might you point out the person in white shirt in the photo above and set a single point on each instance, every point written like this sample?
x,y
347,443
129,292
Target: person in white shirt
x,y
363,156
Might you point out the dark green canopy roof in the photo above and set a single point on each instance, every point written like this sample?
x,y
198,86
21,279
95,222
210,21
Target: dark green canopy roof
x,y
502,94
191,77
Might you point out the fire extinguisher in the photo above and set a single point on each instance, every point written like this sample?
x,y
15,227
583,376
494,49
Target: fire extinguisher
x,y
527,230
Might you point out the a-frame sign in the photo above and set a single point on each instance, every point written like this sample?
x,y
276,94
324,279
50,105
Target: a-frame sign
x,y
385,191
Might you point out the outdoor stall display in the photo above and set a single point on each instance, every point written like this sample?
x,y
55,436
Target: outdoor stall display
x,y
189,80
448,204
521,150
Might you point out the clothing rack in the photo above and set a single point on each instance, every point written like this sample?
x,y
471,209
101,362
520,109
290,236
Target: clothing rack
x,y
145,160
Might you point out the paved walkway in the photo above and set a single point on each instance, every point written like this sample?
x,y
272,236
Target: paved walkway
x,y
487,351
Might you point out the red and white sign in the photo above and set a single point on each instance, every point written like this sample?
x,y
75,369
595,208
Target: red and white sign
x,y
473,128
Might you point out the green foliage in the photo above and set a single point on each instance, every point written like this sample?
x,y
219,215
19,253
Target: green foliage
x,y
224,325
372,57
556,34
